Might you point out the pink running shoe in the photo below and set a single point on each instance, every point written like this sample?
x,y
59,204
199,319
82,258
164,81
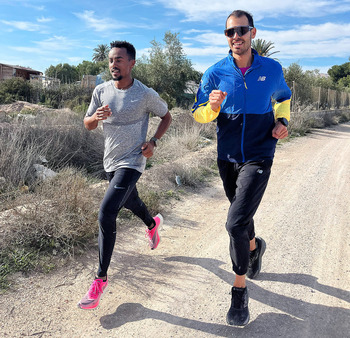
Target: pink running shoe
x,y
93,296
152,235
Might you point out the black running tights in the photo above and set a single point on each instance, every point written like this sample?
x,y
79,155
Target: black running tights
x,y
121,192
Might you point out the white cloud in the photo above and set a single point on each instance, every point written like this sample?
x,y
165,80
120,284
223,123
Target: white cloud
x,y
323,32
209,38
99,24
202,66
323,69
143,52
29,5
145,3
28,50
48,46
22,25
56,43
43,19
310,41
206,51
306,41
106,24
199,10
75,59
190,31
316,49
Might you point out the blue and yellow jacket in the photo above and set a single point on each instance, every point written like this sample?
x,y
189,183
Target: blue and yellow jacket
x,y
245,119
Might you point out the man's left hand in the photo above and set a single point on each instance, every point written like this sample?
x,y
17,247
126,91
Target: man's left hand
x,y
280,131
147,149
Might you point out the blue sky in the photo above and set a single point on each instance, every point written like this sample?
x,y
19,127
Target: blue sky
x,y
40,33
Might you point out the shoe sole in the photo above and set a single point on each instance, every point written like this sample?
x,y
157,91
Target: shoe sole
x,y
262,251
239,324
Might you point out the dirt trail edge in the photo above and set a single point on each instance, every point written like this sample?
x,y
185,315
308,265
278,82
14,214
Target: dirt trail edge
x,y
181,289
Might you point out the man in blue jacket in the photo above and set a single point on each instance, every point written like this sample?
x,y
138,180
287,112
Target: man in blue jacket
x,y
237,91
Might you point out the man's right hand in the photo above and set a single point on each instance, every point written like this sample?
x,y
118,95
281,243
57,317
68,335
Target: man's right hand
x,y
91,122
216,97
102,113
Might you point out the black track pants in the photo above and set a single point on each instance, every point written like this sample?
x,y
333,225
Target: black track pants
x,y
244,185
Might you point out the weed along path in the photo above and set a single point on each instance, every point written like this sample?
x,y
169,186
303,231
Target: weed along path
x,y
181,289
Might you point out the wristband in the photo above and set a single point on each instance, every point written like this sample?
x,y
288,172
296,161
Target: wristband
x,y
154,139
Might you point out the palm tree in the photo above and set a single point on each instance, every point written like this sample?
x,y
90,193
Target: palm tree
x,y
263,47
101,53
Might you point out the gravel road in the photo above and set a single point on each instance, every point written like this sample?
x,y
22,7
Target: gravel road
x,y
181,289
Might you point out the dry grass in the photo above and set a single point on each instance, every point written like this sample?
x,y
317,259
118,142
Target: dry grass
x,y
59,137
57,217
304,118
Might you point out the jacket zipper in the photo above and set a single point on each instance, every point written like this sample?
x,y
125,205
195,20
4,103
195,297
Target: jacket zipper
x,y
244,117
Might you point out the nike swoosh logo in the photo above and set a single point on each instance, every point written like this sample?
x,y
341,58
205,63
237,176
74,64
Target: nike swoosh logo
x,y
119,188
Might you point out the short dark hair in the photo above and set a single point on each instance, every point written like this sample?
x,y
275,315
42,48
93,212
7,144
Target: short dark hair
x,y
130,49
239,13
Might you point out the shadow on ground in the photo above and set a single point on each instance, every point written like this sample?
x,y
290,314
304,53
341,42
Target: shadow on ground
x,y
299,318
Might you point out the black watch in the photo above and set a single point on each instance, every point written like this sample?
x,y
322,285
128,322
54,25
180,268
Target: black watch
x,y
283,120
154,139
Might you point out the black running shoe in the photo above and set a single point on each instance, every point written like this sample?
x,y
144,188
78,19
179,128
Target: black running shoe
x,y
255,258
238,314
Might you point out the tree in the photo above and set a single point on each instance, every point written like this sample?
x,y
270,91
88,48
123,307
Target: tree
x,y
263,47
339,72
15,89
100,53
91,68
316,79
299,83
65,72
344,82
167,70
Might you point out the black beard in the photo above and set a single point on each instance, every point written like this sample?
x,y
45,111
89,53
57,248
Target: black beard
x,y
118,78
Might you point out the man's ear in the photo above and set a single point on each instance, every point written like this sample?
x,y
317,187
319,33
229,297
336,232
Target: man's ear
x,y
253,31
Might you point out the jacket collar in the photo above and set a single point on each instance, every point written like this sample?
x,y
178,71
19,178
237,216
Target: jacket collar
x,y
256,59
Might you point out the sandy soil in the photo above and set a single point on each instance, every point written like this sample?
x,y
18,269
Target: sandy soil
x,y
181,289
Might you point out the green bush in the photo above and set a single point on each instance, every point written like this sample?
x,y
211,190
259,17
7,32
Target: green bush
x,y
15,89
71,96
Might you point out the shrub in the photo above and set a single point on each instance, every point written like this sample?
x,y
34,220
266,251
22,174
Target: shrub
x,y
15,89
60,138
191,174
56,218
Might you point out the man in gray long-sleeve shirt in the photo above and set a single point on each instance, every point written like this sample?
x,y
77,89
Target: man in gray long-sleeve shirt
x,y
123,106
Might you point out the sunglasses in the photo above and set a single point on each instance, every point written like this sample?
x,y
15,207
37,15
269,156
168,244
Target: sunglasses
x,y
240,30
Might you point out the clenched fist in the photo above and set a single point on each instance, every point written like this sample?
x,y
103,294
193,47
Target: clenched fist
x,y
216,97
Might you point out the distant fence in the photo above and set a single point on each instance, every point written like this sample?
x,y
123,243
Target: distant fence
x,y
318,98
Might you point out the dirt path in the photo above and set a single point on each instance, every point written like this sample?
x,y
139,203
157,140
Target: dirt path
x,y
182,288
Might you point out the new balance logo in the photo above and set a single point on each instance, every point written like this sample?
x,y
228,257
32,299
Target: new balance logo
x,y
262,78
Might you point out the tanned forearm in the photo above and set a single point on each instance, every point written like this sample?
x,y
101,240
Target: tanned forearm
x,y
163,125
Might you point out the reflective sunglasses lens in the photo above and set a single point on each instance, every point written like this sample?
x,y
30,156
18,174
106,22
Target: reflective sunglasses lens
x,y
241,30
230,32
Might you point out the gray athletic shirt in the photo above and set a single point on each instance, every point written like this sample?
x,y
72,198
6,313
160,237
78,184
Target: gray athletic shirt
x,y
126,130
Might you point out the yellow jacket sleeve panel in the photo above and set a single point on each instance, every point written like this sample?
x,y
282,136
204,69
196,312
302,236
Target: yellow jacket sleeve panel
x,y
204,114
282,109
